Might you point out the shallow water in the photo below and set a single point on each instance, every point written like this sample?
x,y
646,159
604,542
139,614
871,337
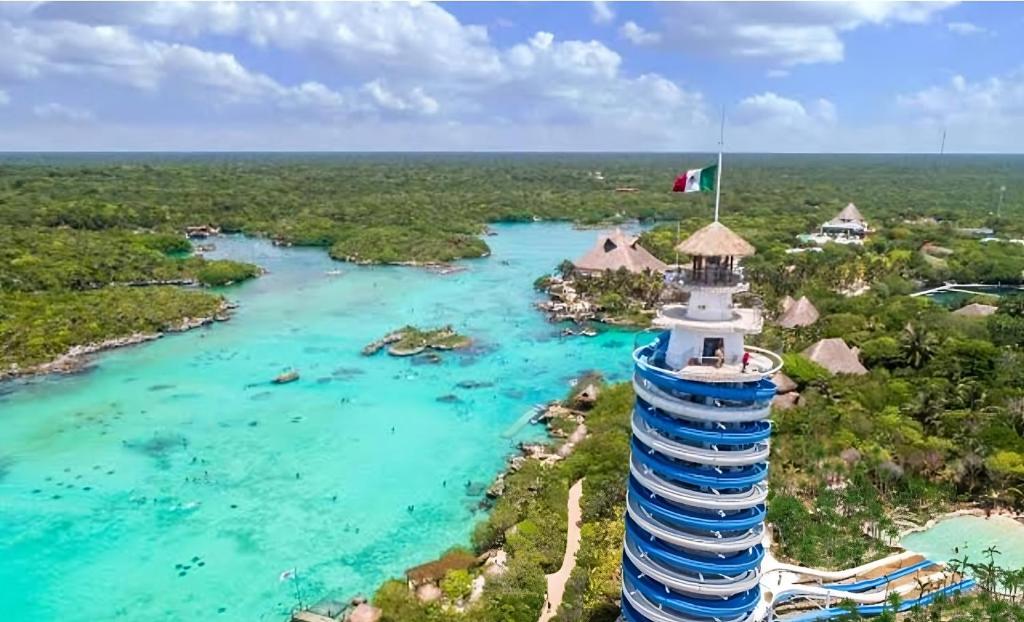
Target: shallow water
x,y
956,537
174,482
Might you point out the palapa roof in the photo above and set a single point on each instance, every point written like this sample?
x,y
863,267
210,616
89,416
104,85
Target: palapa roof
x,y
849,215
786,302
835,356
715,240
976,309
437,569
800,313
617,250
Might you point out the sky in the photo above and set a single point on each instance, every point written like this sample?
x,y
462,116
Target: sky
x,y
468,76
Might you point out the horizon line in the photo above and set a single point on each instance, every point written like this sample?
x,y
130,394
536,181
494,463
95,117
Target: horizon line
x,y
484,151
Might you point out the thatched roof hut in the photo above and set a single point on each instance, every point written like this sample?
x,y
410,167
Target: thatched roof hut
x,y
617,250
800,313
850,215
786,302
715,240
436,570
835,356
976,309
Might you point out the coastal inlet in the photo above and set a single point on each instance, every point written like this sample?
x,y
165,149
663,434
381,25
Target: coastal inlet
x,y
114,479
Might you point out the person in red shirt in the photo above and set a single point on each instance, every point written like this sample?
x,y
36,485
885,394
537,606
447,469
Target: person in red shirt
x,y
746,361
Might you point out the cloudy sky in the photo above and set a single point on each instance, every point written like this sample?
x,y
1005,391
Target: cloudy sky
x,y
812,77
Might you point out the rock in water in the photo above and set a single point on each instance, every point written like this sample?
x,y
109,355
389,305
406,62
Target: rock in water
x,y
286,377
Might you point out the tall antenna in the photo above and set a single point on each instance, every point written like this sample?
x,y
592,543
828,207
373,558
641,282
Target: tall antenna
x,y
718,179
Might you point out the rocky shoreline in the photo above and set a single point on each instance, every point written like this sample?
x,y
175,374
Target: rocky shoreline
x,y
77,357
566,428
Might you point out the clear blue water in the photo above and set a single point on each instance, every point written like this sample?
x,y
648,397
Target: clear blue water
x,y
957,299
173,482
956,537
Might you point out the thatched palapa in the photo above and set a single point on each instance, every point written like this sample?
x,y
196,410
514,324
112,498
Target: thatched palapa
x,y
835,356
976,309
850,215
799,313
715,240
617,250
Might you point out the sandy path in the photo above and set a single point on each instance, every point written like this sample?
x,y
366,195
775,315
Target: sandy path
x,y
557,580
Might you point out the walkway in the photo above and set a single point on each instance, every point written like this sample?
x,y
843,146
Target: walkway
x,y
556,581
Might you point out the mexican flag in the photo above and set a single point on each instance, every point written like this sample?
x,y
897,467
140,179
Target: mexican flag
x,y
696,180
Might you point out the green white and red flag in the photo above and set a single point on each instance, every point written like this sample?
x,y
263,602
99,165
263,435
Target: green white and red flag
x,y
696,180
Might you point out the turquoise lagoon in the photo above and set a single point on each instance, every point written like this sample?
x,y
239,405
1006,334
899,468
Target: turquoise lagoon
x,y
172,481
970,536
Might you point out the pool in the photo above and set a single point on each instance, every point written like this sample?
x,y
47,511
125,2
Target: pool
x,y
970,535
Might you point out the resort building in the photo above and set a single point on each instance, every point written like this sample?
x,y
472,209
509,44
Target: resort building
x,y
849,223
616,250
696,499
847,227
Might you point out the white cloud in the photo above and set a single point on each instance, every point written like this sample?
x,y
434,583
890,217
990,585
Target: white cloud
x,y
68,50
981,115
638,35
601,12
413,101
996,96
544,56
965,29
4,98
825,110
786,34
769,108
59,112
367,38
777,73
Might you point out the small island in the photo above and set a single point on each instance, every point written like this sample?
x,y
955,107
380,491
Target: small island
x,y
410,341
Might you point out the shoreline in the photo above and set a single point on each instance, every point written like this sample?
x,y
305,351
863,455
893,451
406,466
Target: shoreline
x,y
558,446
77,358
964,511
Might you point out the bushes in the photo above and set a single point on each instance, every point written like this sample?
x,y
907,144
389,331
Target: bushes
x,y
225,272
39,326
885,351
802,370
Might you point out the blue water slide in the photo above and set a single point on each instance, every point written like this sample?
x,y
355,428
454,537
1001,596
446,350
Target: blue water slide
x,y
685,561
760,390
874,610
697,475
675,515
868,584
735,434
685,605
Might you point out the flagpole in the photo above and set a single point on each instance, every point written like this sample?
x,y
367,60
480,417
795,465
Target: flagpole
x,y
718,173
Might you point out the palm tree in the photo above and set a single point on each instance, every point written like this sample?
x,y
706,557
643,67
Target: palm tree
x,y
918,345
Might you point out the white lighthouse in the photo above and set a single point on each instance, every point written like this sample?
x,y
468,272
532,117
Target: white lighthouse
x,y
697,492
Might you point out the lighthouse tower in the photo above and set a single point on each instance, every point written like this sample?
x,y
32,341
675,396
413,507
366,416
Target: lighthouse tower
x,y
698,464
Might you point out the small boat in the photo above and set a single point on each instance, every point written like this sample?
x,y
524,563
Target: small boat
x,y
334,273
286,377
588,332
